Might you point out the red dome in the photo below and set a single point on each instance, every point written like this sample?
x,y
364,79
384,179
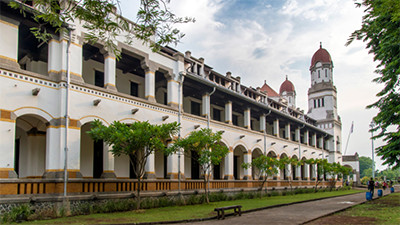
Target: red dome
x,y
286,86
321,55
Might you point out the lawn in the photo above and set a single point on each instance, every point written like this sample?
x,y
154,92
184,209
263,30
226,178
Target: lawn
x,y
185,212
385,210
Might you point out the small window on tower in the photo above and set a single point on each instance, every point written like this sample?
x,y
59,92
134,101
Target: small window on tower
x,y
319,102
319,74
326,73
290,99
315,103
323,102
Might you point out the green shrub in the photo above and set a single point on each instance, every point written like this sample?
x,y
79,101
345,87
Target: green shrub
x,y
274,193
20,212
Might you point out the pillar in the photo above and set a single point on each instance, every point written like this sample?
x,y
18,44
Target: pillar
x,y
110,70
263,124
206,105
229,165
247,119
247,159
314,140
7,142
277,174
57,59
306,171
321,142
173,93
9,43
228,112
298,173
297,134
288,169
172,166
276,127
108,163
287,131
313,172
306,137
150,170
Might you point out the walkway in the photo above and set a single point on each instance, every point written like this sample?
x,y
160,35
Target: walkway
x,y
294,214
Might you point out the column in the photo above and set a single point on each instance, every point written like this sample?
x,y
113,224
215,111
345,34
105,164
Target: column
x,y
7,141
321,142
108,163
247,119
298,173
314,140
276,127
306,171
287,131
247,159
205,104
57,59
228,112
332,152
313,172
229,165
297,134
150,172
263,123
110,70
277,175
9,43
288,169
173,93
172,166
306,137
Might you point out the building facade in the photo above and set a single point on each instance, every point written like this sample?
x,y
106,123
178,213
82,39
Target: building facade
x,y
144,86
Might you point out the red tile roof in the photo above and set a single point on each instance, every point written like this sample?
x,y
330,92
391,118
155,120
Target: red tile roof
x,y
269,90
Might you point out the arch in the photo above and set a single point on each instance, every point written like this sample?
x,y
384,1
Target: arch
x,y
271,150
256,146
238,158
30,143
90,118
34,111
240,143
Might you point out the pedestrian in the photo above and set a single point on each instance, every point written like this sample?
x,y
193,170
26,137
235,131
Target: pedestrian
x,y
371,186
384,185
347,182
376,184
391,183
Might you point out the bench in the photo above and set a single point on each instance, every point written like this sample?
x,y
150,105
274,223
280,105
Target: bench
x,y
236,208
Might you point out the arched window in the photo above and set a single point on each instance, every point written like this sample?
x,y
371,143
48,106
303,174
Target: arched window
x,y
319,74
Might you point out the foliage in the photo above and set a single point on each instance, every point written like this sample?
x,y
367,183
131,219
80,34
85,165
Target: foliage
x,y
365,163
104,23
336,172
22,211
320,166
380,29
391,174
266,167
208,149
137,140
284,163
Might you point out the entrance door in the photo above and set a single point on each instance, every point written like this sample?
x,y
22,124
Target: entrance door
x,y
16,156
132,174
98,158
165,166
217,172
195,166
235,167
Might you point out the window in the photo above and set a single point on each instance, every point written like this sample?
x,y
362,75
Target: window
x,y
235,120
323,102
165,98
211,77
290,99
222,82
319,102
98,78
326,73
315,103
216,114
217,80
319,74
198,69
134,89
195,108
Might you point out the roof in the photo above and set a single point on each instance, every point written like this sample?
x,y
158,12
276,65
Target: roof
x,y
269,90
286,86
321,55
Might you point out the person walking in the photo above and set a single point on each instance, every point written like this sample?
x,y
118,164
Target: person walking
x,y
371,186
384,185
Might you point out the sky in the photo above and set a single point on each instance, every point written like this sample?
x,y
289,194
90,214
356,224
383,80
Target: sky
x,y
262,40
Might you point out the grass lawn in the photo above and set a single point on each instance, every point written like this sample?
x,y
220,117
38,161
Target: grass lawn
x,y
385,210
184,212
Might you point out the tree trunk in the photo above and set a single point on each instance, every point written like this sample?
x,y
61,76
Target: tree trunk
x,y
138,191
262,185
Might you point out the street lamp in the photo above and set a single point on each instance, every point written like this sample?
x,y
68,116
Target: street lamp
x,y
372,125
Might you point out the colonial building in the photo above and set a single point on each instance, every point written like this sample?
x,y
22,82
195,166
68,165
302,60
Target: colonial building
x,y
144,86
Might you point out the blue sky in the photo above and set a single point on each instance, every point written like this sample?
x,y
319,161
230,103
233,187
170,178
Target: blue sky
x,y
268,39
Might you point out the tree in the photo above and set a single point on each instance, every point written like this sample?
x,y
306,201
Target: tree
x,y
320,166
335,171
288,162
365,163
104,21
266,167
380,29
204,147
137,140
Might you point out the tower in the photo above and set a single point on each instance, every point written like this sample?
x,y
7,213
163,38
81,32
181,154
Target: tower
x,y
322,99
288,92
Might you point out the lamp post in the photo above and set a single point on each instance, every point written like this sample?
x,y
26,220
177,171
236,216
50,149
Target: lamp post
x,y
372,125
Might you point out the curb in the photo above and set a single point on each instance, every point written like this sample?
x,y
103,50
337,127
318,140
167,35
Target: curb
x,y
341,210
231,214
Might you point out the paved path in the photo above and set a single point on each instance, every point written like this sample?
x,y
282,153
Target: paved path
x,y
294,214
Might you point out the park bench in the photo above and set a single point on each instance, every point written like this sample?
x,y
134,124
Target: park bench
x,y
236,208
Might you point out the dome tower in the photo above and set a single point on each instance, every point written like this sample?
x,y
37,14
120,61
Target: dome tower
x,y
322,98
288,92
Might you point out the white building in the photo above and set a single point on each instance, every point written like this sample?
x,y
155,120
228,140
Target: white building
x,y
143,86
